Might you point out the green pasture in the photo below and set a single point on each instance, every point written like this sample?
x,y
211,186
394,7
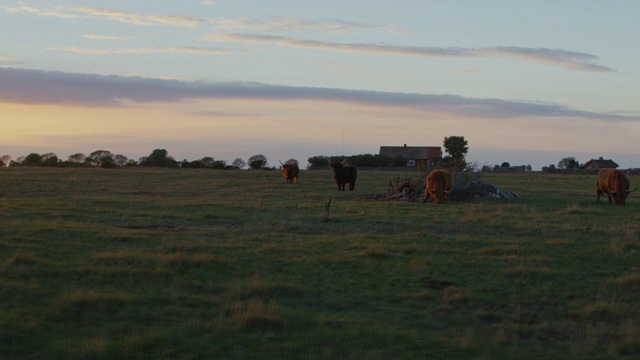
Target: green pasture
x,y
205,264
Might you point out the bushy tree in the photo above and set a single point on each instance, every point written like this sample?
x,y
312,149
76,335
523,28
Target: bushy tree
x,y
219,165
159,158
568,163
456,147
238,163
77,159
49,159
100,158
257,161
33,159
121,160
318,162
207,161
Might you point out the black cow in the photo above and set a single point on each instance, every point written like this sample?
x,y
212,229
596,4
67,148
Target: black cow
x,y
344,174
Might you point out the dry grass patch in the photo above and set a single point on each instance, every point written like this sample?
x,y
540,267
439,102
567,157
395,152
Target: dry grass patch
x,y
501,250
142,260
252,315
21,259
602,311
626,240
525,270
376,252
627,283
259,288
88,304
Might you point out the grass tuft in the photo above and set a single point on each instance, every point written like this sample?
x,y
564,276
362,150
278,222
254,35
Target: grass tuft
x,y
21,259
82,305
253,315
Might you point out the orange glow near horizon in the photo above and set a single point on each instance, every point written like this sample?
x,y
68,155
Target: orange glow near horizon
x,y
240,126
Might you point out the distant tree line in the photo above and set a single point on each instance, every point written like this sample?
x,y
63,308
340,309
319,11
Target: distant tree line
x,y
455,146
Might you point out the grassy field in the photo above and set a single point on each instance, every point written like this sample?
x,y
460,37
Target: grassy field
x,y
200,264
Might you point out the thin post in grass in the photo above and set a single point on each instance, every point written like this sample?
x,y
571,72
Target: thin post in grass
x,y
327,210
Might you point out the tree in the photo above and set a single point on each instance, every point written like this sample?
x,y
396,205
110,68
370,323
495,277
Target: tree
x,y
568,163
77,159
505,165
49,159
98,157
219,164
33,159
239,163
120,160
5,159
456,147
207,162
257,161
318,162
159,158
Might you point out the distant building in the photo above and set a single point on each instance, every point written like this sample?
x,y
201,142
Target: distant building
x,y
599,164
414,155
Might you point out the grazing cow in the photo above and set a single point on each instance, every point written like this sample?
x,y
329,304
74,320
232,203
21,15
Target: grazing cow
x,y
439,184
344,174
615,184
290,171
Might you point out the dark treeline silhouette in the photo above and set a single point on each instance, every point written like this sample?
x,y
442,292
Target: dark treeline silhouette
x,y
363,160
161,158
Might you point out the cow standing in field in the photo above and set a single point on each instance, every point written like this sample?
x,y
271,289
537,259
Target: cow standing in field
x,y
439,183
344,174
615,184
290,171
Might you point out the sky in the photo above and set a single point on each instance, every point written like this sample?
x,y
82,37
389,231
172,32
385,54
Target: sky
x,y
527,82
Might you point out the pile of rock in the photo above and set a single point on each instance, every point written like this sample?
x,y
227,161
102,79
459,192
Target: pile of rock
x,y
469,191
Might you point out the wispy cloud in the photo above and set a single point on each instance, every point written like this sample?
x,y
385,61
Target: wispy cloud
x,y
106,37
108,14
285,24
224,114
140,19
555,57
8,59
148,50
271,24
24,9
39,87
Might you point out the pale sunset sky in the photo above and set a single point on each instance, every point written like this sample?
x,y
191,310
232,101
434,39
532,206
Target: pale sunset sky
x,y
527,82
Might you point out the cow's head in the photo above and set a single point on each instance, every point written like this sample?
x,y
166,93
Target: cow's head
x,y
620,196
336,166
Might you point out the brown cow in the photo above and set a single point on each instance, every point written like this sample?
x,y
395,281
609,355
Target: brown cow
x,y
615,184
290,171
439,184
